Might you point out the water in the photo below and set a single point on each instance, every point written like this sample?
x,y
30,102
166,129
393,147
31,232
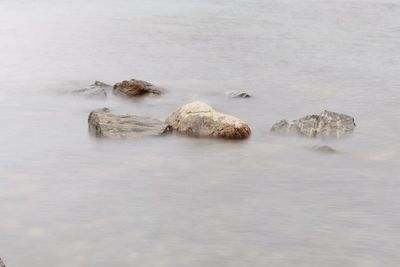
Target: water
x,y
68,199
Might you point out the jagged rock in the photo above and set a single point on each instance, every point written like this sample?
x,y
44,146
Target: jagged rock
x,y
2,263
96,90
323,149
199,119
104,124
134,88
327,124
285,127
238,94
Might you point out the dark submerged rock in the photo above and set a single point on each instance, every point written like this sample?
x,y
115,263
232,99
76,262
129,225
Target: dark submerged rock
x,y
327,124
324,149
199,119
96,90
133,88
104,124
238,94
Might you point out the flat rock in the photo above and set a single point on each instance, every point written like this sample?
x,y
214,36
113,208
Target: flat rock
x,y
96,90
327,124
238,94
104,124
133,88
199,119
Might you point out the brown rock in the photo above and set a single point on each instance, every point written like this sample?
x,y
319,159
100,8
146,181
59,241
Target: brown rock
x,y
135,88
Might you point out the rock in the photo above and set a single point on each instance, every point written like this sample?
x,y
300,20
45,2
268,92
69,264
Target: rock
x,y
323,149
96,90
101,84
327,124
104,124
199,119
2,263
285,127
238,94
335,124
134,88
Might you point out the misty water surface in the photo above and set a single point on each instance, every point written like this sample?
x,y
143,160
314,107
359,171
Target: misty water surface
x,y
68,199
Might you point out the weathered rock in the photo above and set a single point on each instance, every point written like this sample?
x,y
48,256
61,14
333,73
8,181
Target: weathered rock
x,y
134,88
327,124
96,90
199,119
104,124
2,263
285,127
335,124
323,149
238,94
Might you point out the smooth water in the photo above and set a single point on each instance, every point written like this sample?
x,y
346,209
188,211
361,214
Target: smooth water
x,y
68,199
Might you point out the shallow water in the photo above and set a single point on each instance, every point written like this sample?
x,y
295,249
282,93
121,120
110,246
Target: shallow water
x,y
68,199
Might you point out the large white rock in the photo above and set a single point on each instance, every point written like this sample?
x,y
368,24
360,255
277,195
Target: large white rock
x,y
199,119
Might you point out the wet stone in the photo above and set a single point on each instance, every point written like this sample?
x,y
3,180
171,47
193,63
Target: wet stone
x,y
327,124
104,124
134,88
199,119
96,90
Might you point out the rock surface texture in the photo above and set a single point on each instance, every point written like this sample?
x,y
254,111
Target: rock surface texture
x,y
104,124
134,88
199,119
327,124
96,90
